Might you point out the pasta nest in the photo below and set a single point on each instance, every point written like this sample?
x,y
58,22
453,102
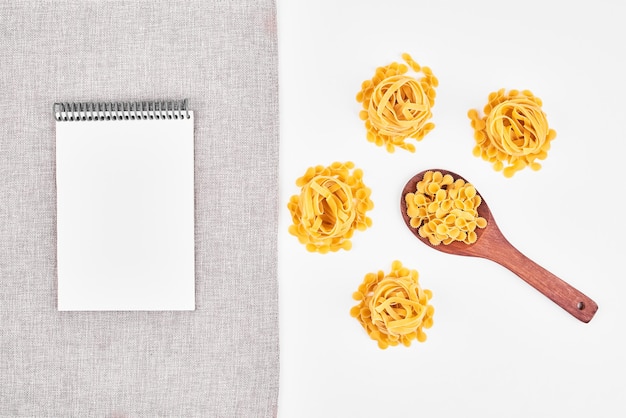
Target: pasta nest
x,y
514,130
393,308
397,106
332,204
444,210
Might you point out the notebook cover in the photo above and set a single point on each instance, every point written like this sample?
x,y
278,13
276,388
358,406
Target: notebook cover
x,y
125,213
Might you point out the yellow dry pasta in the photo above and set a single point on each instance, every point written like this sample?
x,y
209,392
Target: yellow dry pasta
x,y
444,209
513,131
397,106
393,308
332,204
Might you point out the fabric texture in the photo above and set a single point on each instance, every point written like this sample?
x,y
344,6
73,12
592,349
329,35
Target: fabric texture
x,y
221,360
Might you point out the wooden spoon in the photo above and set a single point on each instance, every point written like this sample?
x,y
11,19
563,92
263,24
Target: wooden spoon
x,y
492,245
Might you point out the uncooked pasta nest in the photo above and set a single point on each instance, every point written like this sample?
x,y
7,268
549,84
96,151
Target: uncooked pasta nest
x,y
444,210
397,106
332,204
514,131
393,308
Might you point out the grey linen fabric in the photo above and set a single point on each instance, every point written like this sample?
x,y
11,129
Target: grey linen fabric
x,y
221,360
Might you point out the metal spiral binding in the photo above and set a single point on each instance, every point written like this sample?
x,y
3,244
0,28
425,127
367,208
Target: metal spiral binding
x,y
99,111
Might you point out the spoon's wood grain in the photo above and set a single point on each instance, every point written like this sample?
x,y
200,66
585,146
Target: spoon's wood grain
x,y
492,245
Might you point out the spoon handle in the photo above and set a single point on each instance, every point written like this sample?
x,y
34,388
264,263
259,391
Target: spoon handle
x,y
567,297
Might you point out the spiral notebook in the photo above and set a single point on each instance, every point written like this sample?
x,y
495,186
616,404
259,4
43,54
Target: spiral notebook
x,y
125,206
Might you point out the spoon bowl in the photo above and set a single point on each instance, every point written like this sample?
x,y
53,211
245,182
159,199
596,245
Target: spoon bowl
x,y
492,245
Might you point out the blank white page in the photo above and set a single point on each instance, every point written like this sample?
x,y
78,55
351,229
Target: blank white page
x,y
125,214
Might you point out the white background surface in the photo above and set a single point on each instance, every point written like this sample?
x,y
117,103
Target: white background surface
x,y
498,347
